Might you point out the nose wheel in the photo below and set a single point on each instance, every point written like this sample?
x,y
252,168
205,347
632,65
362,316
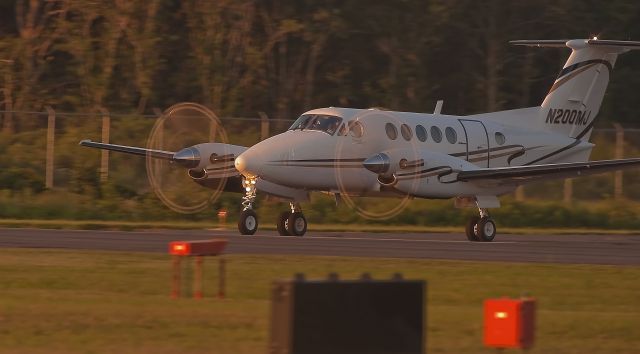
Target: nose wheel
x,y
292,223
248,222
481,228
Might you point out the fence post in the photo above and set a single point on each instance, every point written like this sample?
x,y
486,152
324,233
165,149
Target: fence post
x,y
617,182
264,125
104,162
51,133
568,191
520,194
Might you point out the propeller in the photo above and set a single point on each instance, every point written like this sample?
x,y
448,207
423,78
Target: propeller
x,y
183,128
384,164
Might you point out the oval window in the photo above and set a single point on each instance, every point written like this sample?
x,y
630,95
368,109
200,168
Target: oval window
x,y
406,132
436,134
421,133
500,138
451,135
356,129
392,132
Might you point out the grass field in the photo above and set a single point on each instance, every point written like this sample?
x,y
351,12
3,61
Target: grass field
x,y
55,301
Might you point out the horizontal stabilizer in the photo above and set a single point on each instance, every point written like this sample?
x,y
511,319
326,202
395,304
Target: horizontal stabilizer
x,y
557,43
158,154
577,43
525,174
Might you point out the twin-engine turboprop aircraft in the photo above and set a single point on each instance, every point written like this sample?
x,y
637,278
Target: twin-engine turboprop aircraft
x,y
475,159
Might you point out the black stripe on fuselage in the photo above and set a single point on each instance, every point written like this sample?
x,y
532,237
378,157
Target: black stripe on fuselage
x,y
576,142
484,151
577,66
324,160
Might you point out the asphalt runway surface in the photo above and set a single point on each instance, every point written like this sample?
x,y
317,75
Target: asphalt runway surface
x,y
572,249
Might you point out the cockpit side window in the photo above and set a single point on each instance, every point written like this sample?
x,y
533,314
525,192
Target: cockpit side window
x,y
343,130
302,122
320,122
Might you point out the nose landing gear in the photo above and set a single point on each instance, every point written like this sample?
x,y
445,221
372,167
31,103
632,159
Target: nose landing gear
x,y
248,221
481,228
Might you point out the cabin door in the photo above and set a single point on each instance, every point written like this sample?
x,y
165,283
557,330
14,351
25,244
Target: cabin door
x,y
477,142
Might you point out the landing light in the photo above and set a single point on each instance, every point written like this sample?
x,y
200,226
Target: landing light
x,y
595,38
248,189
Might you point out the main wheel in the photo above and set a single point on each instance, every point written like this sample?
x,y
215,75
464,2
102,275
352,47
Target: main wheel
x,y
472,229
283,224
248,222
297,224
486,229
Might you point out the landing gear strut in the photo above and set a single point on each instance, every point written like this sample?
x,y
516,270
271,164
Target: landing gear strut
x,y
481,228
248,221
292,223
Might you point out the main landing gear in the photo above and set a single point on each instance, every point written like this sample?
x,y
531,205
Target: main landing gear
x,y
290,223
481,228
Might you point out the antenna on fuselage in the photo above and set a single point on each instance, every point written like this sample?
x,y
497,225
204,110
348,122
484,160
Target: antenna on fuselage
x,y
438,107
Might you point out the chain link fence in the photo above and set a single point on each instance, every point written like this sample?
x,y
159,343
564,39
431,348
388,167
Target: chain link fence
x,y
40,151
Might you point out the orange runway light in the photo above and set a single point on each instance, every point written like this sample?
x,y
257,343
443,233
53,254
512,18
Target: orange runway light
x,y
509,323
181,249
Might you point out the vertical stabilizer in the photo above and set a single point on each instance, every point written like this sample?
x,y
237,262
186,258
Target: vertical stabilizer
x,y
573,102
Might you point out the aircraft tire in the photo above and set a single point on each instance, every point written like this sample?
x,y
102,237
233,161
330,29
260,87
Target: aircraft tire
x,y
297,224
248,222
486,229
471,228
283,224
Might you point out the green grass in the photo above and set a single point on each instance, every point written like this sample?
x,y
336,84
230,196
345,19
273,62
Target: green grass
x,y
56,301
187,225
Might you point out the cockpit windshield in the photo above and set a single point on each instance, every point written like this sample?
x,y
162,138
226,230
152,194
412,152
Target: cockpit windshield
x,y
320,122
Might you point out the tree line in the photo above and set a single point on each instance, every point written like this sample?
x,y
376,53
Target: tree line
x,y
287,56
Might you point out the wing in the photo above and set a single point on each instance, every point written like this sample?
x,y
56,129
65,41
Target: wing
x,y
159,154
527,174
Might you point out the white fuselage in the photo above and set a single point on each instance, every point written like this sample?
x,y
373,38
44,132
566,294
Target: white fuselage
x,y
422,165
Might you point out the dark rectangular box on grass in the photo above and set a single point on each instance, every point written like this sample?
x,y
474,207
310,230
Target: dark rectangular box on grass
x,y
354,316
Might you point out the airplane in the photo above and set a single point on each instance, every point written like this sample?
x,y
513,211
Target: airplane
x,y
473,159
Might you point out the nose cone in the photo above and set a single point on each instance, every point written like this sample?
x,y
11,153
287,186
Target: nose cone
x,y
378,163
187,158
247,163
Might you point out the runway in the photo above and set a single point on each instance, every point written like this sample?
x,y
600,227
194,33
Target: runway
x,y
571,249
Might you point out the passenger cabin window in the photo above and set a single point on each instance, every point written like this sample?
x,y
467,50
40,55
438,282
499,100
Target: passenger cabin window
x,y
500,138
406,132
391,130
436,134
320,122
452,136
421,133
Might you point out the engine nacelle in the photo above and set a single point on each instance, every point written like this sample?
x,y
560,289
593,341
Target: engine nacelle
x,y
209,156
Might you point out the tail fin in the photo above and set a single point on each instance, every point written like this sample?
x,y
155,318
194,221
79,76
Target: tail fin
x,y
573,102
